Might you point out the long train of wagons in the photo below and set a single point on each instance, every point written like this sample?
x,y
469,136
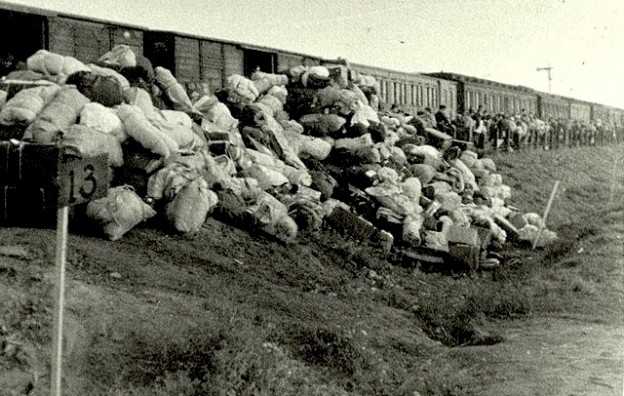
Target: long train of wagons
x,y
199,59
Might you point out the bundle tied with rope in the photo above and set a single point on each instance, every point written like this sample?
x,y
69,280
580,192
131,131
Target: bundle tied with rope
x,y
120,211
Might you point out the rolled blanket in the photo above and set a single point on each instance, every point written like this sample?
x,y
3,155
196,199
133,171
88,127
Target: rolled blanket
x,y
174,90
140,129
57,116
50,63
274,79
24,107
314,147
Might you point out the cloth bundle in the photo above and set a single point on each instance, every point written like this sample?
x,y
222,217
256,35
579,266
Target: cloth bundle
x,y
52,64
170,180
243,89
120,211
138,127
188,210
266,177
121,56
182,135
216,112
103,119
265,81
57,116
98,88
87,142
279,92
23,108
271,216
275,79
322,124
268,104
364,114
174,90
141,98
108,72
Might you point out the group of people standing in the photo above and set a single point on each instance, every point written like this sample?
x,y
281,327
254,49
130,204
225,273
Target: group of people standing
x,y
517,131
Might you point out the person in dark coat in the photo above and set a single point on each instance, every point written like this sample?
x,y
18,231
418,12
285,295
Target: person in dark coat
x,y
443,123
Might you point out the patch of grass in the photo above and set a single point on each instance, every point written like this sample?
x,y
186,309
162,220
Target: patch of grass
x,y
324,347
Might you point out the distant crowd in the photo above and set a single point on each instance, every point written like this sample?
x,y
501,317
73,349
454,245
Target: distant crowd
x,y
511,132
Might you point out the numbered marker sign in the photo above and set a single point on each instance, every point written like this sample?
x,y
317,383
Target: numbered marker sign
x,y
82,180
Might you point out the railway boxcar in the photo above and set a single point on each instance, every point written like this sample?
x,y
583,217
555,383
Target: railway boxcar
x,y
555,106
580,110
198,59
30,27
85,39
195,59
599,113
616,116
412,91
492,96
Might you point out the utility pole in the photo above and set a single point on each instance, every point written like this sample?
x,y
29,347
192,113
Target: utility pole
x,y
547,69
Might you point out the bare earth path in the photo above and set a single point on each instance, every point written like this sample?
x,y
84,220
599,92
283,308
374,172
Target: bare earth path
x,y
556,357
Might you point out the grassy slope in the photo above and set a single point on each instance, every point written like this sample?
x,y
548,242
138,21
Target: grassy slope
x,y
229,313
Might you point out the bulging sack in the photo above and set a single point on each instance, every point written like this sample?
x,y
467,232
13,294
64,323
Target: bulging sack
x,y
120,211
190,207
57,116
23,108
121,55
87,142
102,119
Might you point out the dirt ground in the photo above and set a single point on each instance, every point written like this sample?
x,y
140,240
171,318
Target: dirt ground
x,y
226,312
567,357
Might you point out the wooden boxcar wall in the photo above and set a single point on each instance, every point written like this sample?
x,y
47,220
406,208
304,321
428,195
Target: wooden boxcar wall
x,y
194,59
599,112
580,111
207,61
552,106
88,40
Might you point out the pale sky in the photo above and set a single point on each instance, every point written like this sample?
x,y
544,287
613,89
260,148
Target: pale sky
x,y
501,40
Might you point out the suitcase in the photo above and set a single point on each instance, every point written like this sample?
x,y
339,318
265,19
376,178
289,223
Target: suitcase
x,y
28,184
27,206
29,164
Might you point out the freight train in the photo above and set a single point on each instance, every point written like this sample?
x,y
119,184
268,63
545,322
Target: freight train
x,y
195,59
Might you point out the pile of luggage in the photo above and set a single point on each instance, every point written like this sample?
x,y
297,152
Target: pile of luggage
x,y
273,153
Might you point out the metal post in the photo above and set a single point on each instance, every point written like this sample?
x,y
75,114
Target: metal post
x,y
57,341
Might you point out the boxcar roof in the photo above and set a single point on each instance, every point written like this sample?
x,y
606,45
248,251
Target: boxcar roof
x,y
50,13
